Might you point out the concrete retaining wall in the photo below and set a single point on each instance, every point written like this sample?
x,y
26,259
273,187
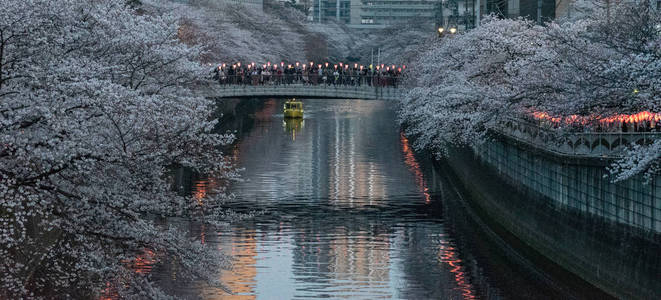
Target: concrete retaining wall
x,y
605,233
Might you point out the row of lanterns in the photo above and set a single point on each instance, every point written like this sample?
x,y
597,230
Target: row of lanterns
x,y
312,65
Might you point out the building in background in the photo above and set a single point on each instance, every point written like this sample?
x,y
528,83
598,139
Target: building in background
x,y
459,14
256,4
394,12
324,11
375,13
465,14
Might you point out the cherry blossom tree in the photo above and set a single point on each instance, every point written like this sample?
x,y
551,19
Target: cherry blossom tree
x,y
230,32
97,104
460,86
604,62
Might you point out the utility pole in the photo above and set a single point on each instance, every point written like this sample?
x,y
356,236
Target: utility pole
x,y
319,11
539,12
372,60
378,58
337,10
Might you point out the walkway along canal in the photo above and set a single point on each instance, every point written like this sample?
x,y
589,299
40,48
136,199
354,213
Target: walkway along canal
x,y
352,212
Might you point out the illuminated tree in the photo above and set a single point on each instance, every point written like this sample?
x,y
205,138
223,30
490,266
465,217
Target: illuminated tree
x,y
97,104
601,64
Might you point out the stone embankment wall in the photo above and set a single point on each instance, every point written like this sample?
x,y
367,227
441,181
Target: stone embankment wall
x,y
583,185
566,209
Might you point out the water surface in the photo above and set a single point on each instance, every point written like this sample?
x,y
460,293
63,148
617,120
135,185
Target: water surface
x,y
352,213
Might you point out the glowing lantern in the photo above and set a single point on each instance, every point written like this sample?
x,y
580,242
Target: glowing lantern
x,y
282,63
297,63
340,64
319,66
335,66
326,64
268,63
238,64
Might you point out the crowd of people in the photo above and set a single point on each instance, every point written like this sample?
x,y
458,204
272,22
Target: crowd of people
x,y
352,74
644,121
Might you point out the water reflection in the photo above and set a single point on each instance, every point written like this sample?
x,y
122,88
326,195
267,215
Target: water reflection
x,y
352,213
344,194
293,126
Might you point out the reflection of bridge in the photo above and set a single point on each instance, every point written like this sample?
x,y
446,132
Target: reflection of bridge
x,y
307,91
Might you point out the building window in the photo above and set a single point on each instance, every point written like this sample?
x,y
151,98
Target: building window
x,y
367,21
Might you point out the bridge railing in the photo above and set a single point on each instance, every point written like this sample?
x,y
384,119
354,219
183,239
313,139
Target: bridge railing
x,y
288,79
302,89
581,144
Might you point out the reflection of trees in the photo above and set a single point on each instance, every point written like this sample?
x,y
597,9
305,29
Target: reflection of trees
x,y
348,256
346,187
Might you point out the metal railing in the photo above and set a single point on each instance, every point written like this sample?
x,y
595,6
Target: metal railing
x,y
582,144
367,87
310,79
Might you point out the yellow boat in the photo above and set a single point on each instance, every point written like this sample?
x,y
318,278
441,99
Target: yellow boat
x,y
293,108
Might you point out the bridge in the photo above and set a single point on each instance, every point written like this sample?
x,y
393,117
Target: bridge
x,y
307,91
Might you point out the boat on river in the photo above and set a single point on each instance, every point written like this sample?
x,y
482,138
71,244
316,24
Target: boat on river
x,y
293,108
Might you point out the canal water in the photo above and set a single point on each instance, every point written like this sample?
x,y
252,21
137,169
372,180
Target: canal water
x,y
351,212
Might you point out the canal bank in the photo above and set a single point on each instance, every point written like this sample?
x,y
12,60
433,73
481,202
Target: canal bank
x,y
352,212
567,212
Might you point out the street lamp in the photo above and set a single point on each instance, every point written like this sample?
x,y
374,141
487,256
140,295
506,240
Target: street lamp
x,y
440,30
453,30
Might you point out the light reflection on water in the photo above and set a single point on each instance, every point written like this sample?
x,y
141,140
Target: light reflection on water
x,y
352,213
348,207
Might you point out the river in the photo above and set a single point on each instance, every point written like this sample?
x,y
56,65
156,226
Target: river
x,y
351,212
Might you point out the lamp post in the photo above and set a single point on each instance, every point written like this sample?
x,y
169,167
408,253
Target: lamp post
x,y
442,31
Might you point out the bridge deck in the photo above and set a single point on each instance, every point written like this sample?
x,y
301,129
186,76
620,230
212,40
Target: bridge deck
x,y
312,91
